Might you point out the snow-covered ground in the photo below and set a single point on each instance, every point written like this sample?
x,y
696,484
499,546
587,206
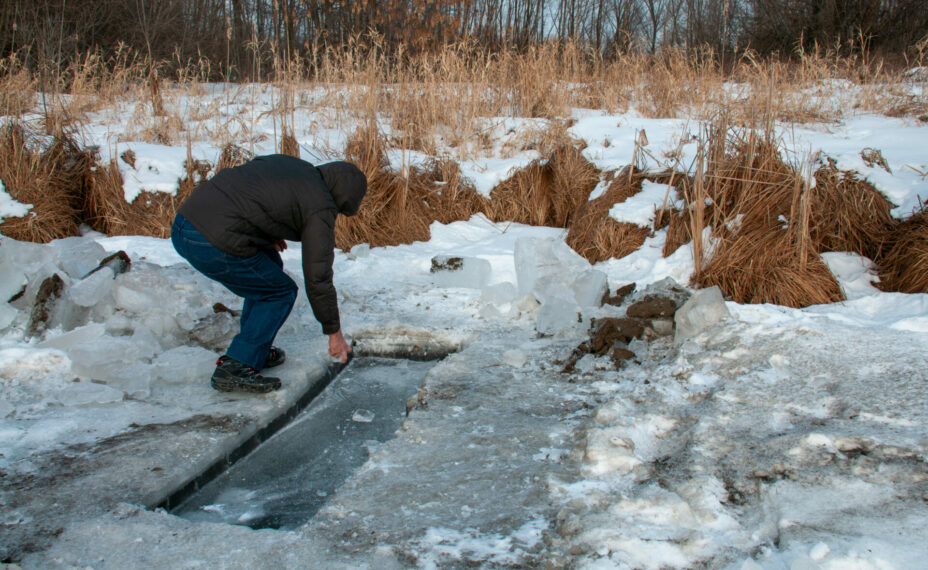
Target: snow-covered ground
x,y
774,438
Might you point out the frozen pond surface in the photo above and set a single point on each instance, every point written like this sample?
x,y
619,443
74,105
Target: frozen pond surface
x,y
289,477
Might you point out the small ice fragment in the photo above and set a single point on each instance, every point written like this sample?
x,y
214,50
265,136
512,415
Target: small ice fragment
x,y
359,251
88,394
819,552
705,308
362,416
515,358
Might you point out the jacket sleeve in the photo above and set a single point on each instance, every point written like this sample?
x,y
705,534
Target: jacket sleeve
x,y
318,254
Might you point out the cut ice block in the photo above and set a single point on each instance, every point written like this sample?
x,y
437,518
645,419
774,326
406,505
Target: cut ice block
x,y
464,272
705,308
536,258
589,288
556,315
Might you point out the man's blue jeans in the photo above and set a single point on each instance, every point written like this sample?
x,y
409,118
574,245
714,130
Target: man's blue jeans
x,y
269,293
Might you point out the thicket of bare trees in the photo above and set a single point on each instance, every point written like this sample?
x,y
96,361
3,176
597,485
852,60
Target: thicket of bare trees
x,y
240,37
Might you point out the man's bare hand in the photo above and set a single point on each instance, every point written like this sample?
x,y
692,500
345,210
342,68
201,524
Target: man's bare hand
x,y
280,246
338,347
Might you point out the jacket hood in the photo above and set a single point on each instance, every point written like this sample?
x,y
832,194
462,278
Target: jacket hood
x,y
347,184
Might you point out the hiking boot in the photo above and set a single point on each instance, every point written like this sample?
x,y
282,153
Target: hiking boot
x,y
275,357
233,375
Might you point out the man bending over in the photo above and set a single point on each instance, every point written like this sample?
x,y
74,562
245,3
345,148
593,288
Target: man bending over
x,y
232,229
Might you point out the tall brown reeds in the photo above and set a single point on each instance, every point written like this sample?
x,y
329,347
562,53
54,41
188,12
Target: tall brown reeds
x,y
760,249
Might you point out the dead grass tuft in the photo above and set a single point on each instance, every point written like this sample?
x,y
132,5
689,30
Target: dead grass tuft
x,y
760,265
595,235
547,192
150,214
848,214
903,262
51,176
288,144
762,247
232,155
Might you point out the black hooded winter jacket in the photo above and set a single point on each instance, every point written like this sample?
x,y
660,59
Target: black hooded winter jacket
x,y
249,208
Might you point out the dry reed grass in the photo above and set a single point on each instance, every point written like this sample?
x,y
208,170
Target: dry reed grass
x,y
595,235
547,192
762,248
848,214
903,261
150,214
52,178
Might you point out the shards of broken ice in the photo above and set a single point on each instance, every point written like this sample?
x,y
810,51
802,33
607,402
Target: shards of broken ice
x,y
464,272
705,308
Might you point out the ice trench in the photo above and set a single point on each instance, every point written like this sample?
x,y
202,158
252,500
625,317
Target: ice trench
x,y
292,470
284,473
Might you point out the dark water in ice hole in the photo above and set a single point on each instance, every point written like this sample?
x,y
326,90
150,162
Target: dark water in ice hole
x,y
283,482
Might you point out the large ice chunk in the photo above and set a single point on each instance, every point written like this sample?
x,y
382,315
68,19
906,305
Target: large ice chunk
x,y
546,266
465,272
23,267
78,256
86,334
705,308
183,365
589,288
90,291
558,313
